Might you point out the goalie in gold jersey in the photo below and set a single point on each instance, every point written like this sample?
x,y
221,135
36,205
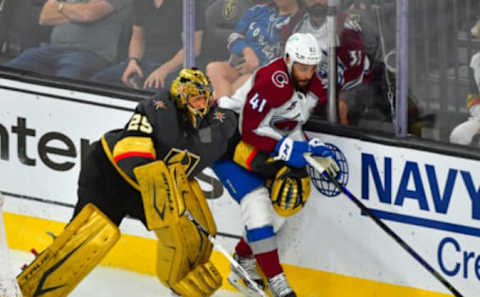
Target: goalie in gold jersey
x,y
145,170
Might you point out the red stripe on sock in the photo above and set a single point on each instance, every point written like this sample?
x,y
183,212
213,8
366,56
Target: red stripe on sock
x,y
243,249
270,263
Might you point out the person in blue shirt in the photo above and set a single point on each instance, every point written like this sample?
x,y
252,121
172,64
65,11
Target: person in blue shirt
x,y
258,38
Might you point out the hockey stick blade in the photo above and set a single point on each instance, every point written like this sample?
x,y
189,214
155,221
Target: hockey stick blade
x,y
312,162
219,247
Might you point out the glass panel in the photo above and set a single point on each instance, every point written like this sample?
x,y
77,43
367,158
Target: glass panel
x,y
60,39
235,26
92,40
367,87
443,57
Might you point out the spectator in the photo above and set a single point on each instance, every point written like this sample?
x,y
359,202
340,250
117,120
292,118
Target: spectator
x,y
83,40
156,47
465,132
353,63
258,38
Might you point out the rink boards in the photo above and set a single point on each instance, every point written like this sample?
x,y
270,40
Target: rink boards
x,y
430,200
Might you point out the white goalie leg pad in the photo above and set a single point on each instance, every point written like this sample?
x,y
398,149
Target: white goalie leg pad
x,y
8,282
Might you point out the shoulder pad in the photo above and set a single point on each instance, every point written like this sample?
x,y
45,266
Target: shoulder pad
x,y
273,81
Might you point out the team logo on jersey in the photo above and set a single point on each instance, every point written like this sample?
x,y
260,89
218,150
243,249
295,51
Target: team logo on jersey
x,y
187,159
280,78
160,105
219,116
284,125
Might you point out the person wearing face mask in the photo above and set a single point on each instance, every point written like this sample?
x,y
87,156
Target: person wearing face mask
x,y
353,64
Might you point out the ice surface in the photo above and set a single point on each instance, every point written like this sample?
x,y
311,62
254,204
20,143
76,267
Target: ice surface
x,y
112,282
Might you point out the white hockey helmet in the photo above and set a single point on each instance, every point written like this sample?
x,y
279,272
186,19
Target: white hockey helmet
x,y
302,48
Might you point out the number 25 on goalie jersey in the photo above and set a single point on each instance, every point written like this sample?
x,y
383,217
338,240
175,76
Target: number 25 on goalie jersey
x,y
156,131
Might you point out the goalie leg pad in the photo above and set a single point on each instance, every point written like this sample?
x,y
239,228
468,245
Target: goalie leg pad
x,y
160,201
74,253
181,265
183,250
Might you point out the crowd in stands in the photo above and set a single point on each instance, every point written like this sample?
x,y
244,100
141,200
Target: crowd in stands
x,y
139,44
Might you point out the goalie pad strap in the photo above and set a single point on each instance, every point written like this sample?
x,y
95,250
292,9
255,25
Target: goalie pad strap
x,y
74,253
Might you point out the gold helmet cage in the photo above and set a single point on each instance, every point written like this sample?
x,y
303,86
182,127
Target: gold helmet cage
x,y
191,82
289,192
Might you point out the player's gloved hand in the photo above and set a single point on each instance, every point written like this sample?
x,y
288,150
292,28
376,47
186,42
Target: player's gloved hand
x,y
328,158
291,152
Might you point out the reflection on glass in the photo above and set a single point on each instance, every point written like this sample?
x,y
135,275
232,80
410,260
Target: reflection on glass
x,y
444,67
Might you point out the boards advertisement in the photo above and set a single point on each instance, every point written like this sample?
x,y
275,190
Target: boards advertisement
x,y
432,201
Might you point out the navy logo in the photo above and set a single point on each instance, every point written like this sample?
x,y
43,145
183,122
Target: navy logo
x,y
322,183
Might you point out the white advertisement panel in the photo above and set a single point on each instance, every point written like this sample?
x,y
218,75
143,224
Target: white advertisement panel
x,y
430,200
44,136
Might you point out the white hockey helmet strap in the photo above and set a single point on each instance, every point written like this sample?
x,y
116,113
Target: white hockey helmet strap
x,y
302,48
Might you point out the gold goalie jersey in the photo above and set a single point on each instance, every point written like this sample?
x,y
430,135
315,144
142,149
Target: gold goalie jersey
x,y
157,132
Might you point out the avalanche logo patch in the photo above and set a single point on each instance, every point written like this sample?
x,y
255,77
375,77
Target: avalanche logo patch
x,y
280,78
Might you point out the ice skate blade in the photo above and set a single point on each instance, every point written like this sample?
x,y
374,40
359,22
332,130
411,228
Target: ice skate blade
x,y
239,284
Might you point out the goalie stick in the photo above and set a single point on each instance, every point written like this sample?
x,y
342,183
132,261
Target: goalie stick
x,y
219,247
312,162
8,282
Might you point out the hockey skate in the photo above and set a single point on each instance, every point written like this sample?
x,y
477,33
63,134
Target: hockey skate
x,y
236,279
279,286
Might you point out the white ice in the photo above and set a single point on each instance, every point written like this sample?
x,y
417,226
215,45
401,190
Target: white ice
x,y
112,282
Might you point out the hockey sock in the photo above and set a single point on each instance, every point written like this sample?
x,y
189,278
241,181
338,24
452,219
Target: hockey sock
x,y
270,263
243,249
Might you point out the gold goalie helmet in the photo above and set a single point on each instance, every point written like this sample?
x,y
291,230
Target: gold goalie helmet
x,y
289,190
192,94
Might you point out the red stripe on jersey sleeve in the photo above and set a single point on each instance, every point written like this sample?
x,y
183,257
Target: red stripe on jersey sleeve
x,y
134,154
252,155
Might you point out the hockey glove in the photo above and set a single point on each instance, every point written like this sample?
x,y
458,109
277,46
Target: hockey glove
x,y
291,152
328,158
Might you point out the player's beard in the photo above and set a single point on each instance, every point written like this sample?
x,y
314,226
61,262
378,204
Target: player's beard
x,y
317,10
301,85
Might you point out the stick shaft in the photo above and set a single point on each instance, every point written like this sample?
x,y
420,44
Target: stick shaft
x,y
219,247
310,160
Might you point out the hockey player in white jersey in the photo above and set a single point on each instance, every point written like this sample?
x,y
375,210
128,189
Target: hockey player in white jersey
x,y
267,175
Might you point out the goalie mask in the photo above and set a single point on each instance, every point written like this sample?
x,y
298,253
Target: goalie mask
x,y
289,190
191,93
